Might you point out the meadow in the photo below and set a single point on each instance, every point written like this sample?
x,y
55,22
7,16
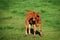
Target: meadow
x,y
13,14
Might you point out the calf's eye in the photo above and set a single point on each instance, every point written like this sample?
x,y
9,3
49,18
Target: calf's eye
x,y
37,16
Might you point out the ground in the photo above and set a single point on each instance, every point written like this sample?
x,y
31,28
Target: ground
x,y
12,19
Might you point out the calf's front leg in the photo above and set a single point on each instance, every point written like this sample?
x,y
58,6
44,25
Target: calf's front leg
x,y
34,30
26,30
29,28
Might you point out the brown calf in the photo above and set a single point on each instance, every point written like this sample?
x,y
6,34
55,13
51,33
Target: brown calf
x,y
33,19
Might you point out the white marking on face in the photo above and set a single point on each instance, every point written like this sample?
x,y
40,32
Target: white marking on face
x,y
33,19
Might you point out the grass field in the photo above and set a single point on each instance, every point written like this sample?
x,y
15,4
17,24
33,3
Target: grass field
x,y
12,19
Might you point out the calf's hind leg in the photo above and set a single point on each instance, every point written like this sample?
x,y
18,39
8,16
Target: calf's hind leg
x,y
40,28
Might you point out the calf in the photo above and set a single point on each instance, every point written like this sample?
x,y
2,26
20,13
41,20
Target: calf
x,y
33,19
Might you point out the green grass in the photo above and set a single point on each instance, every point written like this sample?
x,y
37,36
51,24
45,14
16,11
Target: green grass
x,y
12,19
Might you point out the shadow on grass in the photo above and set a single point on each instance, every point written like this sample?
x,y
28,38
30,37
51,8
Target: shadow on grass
x,y
37,32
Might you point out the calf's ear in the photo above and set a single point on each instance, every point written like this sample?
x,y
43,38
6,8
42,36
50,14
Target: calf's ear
x,y
38,13
33,12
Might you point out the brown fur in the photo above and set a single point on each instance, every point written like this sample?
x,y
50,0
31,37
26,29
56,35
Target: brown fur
x,y
36,21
